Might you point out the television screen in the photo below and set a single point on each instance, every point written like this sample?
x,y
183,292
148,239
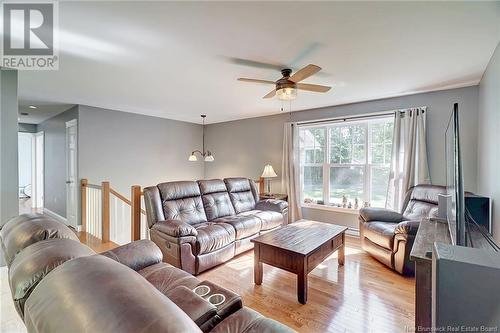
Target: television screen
x,y
454,181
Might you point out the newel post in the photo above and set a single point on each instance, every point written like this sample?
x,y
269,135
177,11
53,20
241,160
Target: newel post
x,y
105,211
83,199
136,212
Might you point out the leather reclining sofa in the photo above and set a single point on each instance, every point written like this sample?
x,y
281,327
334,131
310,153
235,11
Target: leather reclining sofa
x,y
388,235
201,224
61,285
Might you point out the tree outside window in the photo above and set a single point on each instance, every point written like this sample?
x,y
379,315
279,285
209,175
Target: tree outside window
x,y
349,159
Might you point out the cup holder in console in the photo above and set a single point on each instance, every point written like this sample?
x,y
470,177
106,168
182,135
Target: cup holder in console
x,y
202,290
217,299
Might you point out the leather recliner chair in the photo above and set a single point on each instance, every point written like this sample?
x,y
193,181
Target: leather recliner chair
x,y
388,235
199,225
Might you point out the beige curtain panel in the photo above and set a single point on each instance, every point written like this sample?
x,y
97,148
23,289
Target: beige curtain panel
x,y
290,166
409,166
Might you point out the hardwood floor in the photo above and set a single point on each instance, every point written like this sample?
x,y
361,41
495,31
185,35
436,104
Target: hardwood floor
x,y
361,296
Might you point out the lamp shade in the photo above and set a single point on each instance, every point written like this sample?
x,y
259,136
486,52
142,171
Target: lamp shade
x,y
193,157
269,172
209,157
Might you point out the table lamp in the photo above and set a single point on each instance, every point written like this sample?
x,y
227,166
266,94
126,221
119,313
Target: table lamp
x,y
267,175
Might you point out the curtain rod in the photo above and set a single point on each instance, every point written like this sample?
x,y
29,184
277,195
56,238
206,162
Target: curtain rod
x,y
363,116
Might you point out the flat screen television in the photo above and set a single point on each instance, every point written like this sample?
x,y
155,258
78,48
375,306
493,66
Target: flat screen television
x,y
454,181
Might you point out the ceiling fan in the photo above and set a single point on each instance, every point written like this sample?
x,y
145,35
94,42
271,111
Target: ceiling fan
x,y
286,87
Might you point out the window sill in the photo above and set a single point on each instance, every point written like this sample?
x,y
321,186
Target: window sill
x,y
331,208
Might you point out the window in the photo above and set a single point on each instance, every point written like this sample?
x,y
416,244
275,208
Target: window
x,y
350,159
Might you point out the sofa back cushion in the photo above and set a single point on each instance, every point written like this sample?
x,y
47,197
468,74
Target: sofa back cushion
x,y
215,198
182,201
33,263
422,201
97,294
242,193
24,230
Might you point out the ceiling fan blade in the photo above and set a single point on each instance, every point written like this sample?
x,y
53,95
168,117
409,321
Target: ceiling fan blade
x,y
253,63
244,79
271,94
304,73
313,87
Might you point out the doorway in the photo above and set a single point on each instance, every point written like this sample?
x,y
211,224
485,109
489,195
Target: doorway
x,y
72,173
38,170
31,171
25,171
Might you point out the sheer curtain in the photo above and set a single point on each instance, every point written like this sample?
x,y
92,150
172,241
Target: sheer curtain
x,y
290,166
409,166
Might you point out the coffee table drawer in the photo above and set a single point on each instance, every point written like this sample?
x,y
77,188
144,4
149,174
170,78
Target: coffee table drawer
x,y
321,253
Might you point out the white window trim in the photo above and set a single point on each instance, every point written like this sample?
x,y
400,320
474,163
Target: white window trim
x,y
367,166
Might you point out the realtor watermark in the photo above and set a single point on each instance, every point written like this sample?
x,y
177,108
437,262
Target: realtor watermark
x,y
30,35
449,328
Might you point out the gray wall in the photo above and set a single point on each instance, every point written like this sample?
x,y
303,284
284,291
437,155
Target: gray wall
x,y
27,128
127,149
488,153
243,147
55,160
9,205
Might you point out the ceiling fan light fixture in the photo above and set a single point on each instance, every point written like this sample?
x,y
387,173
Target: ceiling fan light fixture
x,y
287,93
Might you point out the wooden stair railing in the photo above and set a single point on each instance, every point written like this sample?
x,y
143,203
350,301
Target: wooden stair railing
x,y
106,192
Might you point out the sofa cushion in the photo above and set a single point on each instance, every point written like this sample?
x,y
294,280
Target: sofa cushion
x,y
33,263
212,186
427,193
268,219
188,210
166,277
213,236
24,230
97,294
182,201
245,226
178,190
416,210
215,199
242,194
380,233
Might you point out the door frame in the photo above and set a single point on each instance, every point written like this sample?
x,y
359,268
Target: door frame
x,y
38,169
75,223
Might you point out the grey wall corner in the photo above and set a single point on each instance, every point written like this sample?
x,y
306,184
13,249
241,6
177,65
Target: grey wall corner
x,y
9,206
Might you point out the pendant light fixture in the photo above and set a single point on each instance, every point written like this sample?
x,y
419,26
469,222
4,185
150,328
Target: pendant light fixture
x,y
207,155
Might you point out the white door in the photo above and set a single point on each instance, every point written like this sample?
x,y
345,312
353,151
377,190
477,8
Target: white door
x,y
38,170
72,172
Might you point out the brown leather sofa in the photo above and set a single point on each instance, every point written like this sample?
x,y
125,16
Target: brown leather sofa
x,y
388,235
199,225
61,285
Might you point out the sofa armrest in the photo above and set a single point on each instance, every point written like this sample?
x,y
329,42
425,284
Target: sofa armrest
x,y
136,255
248,320
175,228
197,308
407,228
368,214
279,206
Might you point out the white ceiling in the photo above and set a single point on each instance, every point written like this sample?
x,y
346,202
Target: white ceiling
x,y
42,112
172,59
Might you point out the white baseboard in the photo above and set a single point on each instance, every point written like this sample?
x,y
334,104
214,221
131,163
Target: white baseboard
x,y
55,216
352,232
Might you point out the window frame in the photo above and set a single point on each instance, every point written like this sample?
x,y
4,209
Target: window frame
x,y
367,166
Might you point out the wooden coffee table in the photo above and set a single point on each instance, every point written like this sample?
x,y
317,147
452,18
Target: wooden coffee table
x,y
298,248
